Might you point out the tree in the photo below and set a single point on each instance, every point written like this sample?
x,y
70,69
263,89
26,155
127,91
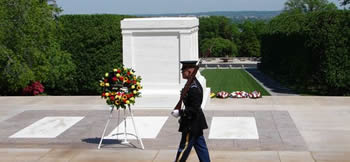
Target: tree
x,y
219,47
249,44
305,6
215,26
29,49
344,2
235,33
259,28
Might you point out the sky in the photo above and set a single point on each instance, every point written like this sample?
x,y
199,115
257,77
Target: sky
x,y
130,7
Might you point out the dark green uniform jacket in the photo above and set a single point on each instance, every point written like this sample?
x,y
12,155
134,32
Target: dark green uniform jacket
x,y
192,118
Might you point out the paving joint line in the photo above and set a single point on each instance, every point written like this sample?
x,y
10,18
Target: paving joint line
x,y
312,155
156,155
274,123
279,156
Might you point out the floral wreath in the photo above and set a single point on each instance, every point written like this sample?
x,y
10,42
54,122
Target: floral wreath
x,y
120,87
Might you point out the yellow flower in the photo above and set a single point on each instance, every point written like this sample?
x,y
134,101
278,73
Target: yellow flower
x,y
107,94
132,99
134,77
113,93
106,75
117,102
131,72
132,87
107,84
102,84
115,70
134,91
138,83
127,102
118,75
118,97
125,69
139,87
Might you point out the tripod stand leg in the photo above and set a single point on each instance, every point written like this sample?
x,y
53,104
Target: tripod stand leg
x,y
125,141
118,124
104,131
133,122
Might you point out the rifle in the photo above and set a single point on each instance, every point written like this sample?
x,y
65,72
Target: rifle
x,y
187,87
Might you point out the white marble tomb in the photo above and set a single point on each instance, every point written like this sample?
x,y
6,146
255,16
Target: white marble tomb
x,y
154,47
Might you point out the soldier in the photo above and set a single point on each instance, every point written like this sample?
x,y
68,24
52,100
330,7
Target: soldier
x,y
192,120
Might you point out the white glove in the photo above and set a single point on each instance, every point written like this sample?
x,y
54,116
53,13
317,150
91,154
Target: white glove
x,y
175,113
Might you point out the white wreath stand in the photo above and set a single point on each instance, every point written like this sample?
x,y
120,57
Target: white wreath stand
x,y
125,140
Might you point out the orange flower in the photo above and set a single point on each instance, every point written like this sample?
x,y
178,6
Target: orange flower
x,y
125,79
124,97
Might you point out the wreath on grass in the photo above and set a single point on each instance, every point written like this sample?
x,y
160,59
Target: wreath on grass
x,y
120,87
236,94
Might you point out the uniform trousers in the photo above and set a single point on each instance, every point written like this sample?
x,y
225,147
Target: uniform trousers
x,y
187,142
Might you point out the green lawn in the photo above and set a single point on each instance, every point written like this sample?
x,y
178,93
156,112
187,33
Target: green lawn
x,y
230,80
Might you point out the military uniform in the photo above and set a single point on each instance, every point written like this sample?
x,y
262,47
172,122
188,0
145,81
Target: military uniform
x,y
192,117
192,122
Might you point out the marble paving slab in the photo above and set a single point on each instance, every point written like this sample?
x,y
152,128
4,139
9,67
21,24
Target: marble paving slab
x,y
47,127
146,126
233,128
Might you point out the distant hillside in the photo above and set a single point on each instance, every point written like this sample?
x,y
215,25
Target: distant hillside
x,y
234,15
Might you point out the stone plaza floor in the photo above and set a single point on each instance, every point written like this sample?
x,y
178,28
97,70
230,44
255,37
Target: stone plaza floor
x,y
273,128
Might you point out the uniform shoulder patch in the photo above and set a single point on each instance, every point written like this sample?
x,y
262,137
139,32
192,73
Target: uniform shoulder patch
x,y
194,85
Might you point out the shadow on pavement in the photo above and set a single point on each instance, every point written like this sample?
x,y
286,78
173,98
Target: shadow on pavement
x,y
97,141
271,84
109,143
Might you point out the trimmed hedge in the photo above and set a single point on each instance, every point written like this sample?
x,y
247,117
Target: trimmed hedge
x,y
310,52
95,43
